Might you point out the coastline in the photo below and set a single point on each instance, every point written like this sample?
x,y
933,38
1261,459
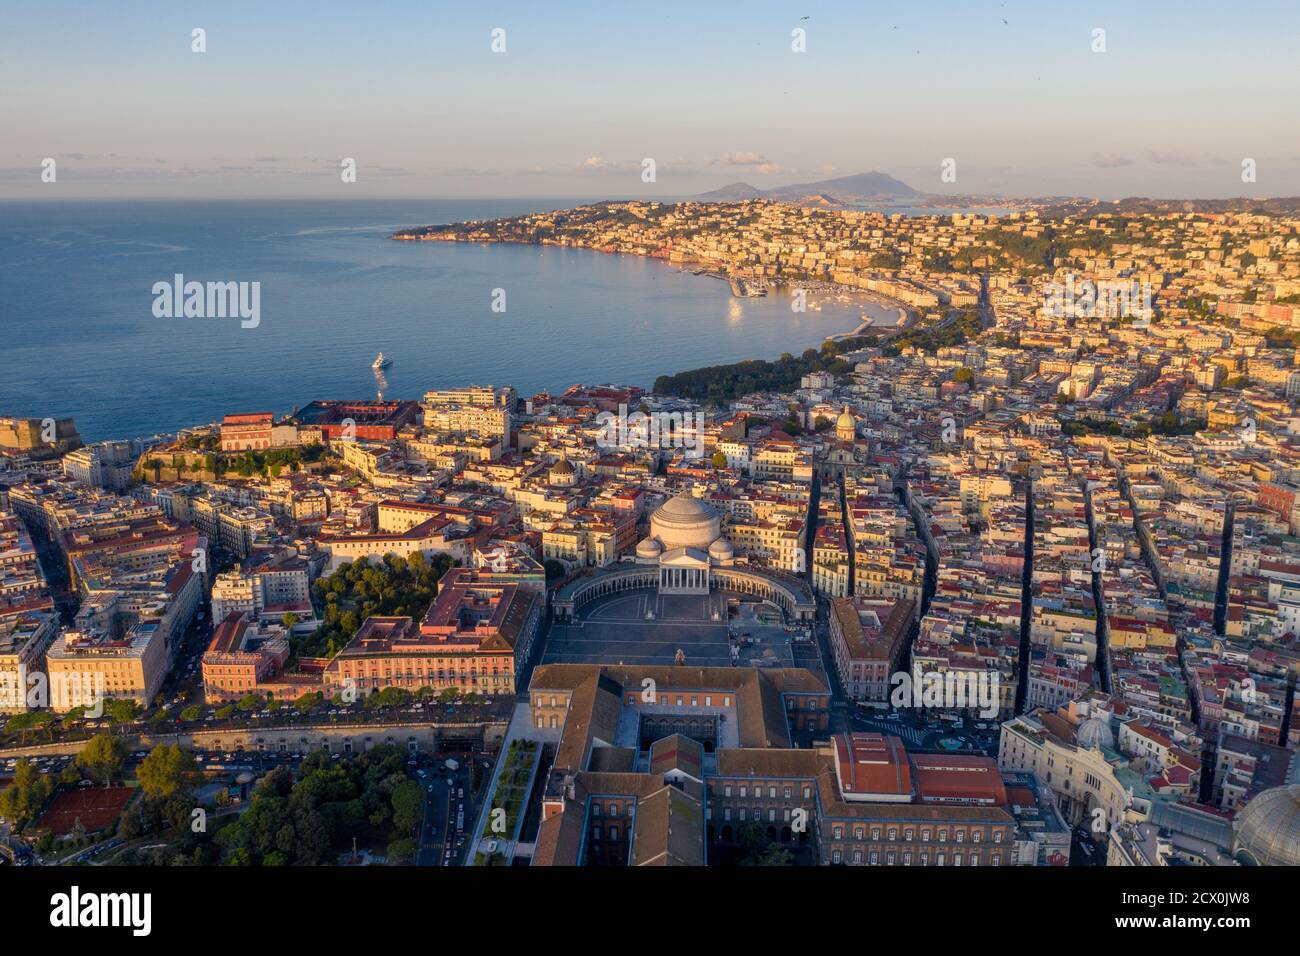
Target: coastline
x,y
696,267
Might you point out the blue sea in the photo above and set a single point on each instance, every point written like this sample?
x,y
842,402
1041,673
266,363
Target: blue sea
x,y
78,335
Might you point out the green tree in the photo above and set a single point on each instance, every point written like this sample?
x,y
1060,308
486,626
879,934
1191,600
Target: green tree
x,y
29,720
408,806
167,771
776,855
402,850
120,711
102,757
25,797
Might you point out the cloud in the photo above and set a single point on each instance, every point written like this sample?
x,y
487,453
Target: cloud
x,y
753,162
743,158
1111,161
1171,157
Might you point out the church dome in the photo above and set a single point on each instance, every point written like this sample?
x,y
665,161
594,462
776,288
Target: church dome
x,y
562,467
722,550
685,522
1268,830
1095,732
846,419
648,548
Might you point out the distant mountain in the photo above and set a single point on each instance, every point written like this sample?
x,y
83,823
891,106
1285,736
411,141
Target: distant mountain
x,y
848,188
818,199
733,192
845,189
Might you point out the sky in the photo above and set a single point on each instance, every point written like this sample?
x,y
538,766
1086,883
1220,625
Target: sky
x,y
1015,94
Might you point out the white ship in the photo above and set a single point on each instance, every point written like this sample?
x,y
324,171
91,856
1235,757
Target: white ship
x,y
380,362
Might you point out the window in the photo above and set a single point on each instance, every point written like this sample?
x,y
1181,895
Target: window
x,y
837,832
807,792
726,790
771,792
835,856
787,793
744,791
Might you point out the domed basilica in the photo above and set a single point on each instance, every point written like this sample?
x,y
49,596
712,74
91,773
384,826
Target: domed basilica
x,y
685,542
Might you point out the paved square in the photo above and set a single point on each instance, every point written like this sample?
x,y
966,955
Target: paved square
x,y
645,627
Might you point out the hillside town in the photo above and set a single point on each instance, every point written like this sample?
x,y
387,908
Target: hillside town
x,y
1015,581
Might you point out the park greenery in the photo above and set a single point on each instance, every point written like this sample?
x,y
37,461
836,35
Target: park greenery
x,y
22,801
1164,424
395,586
963,328
722,383
102,758
196,457
168,777
511,790
307,821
